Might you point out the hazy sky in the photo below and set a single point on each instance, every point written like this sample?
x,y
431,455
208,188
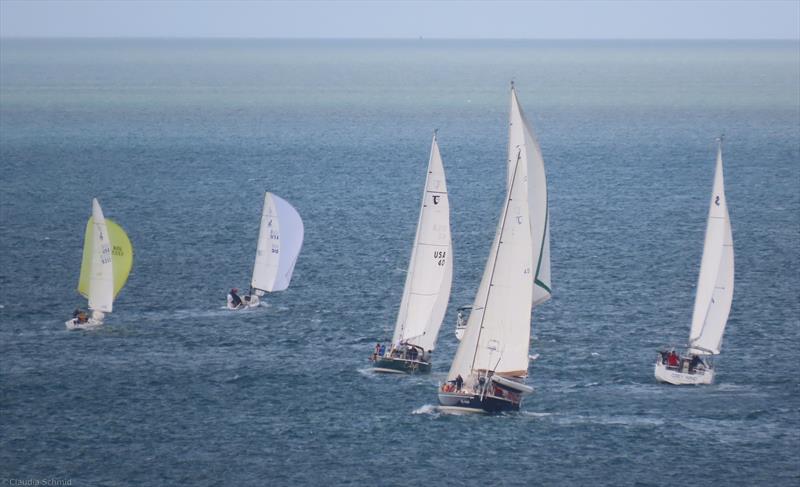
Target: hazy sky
x,y
576,19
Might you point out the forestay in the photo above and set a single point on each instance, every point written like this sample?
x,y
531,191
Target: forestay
x,y
715,284
99,265
517,272
280,238
498,331
430,270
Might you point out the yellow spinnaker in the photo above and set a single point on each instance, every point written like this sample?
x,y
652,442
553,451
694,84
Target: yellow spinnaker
x,y
121,256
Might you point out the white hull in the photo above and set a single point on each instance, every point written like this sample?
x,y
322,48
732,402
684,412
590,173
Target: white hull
x,y
679,377
87,325
248,302
461,321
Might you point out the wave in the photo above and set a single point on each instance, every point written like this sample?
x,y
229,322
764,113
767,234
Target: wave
x,y
427,409
534,414
611,420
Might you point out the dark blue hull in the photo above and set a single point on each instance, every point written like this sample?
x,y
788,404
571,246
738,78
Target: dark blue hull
x,y
392,365
473,403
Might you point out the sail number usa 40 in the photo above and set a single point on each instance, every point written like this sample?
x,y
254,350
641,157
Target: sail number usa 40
x,y
439,256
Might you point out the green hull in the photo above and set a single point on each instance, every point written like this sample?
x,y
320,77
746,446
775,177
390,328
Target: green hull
x,y
401,366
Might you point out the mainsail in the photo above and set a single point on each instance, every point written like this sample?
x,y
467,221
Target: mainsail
x,y
714,295
280,238
497,336
430,270
107,260
498,330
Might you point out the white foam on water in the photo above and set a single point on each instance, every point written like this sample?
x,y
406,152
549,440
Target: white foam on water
x,y
608,420
534,414
367,372
426,409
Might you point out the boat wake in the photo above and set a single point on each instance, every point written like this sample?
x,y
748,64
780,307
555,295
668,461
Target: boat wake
x,y
534,414
427,409
610,420
368,372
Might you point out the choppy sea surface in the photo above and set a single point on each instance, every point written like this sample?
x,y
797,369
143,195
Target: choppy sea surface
x,y
180,139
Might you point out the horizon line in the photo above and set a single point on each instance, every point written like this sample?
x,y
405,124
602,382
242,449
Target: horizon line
x,y
415,38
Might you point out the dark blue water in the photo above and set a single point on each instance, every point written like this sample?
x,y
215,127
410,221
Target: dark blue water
x,y
179,140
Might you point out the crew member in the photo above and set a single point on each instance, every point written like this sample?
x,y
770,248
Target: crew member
x,y
234,301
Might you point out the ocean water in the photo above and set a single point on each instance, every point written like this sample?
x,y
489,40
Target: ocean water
x,y
180,139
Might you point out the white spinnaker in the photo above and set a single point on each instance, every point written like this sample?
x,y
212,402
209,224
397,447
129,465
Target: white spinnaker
x,y
497,336
714,295
523,142
280,238
101,280
430,270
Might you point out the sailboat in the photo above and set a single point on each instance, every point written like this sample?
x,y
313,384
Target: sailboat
x,y
106,264
462,316
713,298
428,280
491,362
280,238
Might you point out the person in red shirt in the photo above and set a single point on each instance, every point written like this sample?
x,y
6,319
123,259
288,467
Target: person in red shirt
x,y
672,360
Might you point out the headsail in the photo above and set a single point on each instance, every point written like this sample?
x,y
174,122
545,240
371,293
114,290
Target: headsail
x,y
121,256
280,238
523,143
96,282
714,295
430,270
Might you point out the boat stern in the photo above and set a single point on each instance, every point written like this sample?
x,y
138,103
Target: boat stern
x,y
678,377
393,365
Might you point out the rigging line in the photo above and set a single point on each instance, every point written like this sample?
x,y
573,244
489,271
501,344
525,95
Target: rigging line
x,y
416,242
496,253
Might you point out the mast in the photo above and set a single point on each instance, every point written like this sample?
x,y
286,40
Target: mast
x,y
494,264
402,315
501,318
268,247
429,277
714,293
512,144
101,280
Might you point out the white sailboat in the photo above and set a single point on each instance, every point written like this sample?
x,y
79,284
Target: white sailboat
x,y
280,238
106,264
428,280
520,135
492,359
713,298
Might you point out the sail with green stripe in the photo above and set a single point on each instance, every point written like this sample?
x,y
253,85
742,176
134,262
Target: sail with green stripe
x,y
523,143
517,272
